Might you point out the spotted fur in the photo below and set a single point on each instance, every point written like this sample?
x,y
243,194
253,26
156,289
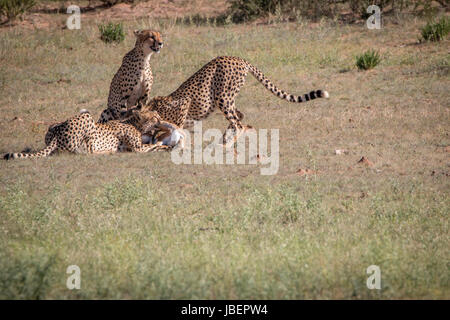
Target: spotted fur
x,y
163,134
169,109
82,131
134,79
216,85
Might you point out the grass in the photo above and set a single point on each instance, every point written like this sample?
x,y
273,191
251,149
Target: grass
x,y
368,60
11,9
111,32
140,226
436,31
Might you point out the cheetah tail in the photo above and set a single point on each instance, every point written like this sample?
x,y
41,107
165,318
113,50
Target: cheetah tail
x,y
43,153
282,94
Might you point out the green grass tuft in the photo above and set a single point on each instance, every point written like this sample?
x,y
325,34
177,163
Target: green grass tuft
x,y
436,31
368,60
12,9
112,32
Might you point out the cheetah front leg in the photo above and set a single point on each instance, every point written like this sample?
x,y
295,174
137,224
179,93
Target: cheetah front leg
x,y
151,148
158,146
114,111
144,97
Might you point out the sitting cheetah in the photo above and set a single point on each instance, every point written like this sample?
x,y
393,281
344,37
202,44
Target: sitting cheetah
x,y
71,134
133,81
216,85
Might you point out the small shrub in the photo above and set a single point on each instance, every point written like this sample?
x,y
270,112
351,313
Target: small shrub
x,y
368,60
112,32
247,10
12,9
197,20
426,8
114,2
359,7
436,31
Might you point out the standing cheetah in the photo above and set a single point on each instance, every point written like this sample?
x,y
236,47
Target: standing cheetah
x,y
82,131
133,81
216,85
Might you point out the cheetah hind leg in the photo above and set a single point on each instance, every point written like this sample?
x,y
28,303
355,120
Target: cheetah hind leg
x,y
189,124
232,134
239,114
235,128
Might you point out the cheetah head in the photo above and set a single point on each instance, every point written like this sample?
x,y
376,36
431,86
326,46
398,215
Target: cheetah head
x,y
145,119
150,41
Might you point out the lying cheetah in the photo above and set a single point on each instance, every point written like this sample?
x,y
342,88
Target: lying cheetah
x,y
133,81
71,134
216,85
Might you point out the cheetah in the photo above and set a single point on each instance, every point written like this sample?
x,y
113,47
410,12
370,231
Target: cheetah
x,y
155,131
171,110
81,129
216,85
133,81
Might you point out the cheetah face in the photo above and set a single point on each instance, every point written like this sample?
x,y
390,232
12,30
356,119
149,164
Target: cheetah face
x,y
148,119
151,41
144,119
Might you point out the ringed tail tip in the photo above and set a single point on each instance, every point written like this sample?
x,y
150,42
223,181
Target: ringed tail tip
x,y
325,94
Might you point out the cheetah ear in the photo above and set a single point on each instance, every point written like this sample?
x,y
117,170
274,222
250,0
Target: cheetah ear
x,y
137,33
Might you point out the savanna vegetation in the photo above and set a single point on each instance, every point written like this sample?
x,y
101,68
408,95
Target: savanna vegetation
x,y
363,177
